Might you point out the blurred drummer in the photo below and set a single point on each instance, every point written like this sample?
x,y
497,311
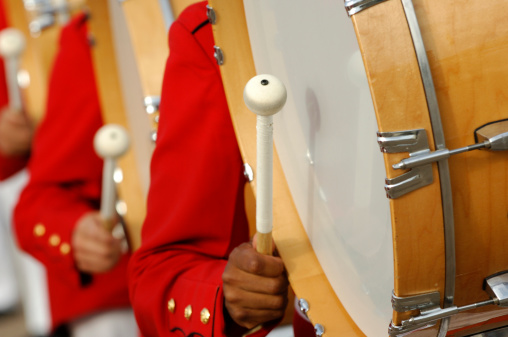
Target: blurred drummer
x,y
21,277
57,219
15,140
196,273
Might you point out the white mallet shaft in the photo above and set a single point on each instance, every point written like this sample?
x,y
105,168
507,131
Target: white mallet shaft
x,y
265,95
12,45
110,142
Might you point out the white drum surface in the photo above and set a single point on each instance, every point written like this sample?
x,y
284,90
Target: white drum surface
x,y
139,124
326,139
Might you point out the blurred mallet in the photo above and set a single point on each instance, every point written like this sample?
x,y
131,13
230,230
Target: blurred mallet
x,y
110,142
12,45
265,95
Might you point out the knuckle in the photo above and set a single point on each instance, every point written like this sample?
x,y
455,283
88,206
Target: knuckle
x,y
279,303
232,297
241,315
254,266
277,287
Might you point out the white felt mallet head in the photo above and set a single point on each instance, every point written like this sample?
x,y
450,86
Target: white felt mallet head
x,y
111,141
12,42
265,95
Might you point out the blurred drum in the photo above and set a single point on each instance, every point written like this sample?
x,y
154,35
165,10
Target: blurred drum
x,y
344,265
37,59
129,69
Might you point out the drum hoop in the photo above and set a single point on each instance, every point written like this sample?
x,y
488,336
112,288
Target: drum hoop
x,y
444,172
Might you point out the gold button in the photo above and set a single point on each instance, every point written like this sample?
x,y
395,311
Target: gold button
x,y
171,305
188,312
54,240
205,316
65,248
39,230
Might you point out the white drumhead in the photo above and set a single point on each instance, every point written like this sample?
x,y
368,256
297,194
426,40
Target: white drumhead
x,y
138,121
326,140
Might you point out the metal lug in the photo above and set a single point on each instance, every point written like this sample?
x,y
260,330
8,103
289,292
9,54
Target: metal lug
x,y
210,13
408,182
152,104
42,22
356,6
304,306
418,302
496,134
416,143
430,311
248,172
153,136
319,330
219,55
497,287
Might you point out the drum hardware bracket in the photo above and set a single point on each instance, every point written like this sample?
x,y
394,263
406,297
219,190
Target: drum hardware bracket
x,y
210,13
493,136
48,14
212,18
219,55
153,136
418,302
429,317
416,143
248,173
497,287
304,307
37,25
356,6
152,104
319,330
430,311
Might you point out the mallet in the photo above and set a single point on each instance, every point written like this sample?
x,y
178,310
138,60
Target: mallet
x,y
111,141
12,45
265,95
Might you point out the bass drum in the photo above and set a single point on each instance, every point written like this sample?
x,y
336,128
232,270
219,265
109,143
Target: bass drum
x,y
325,138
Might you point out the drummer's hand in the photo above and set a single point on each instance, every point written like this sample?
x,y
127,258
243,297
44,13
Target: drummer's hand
x,y
16,131
95,249
255,287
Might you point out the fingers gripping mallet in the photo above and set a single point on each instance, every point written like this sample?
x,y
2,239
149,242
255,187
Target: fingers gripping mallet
x,y
265,95
110,142
12,45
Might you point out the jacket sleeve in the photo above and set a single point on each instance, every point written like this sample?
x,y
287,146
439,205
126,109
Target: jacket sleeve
x,y
195,214
65,172
10,165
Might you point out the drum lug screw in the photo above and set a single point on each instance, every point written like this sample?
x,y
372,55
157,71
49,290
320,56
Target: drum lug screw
x,y
248,173
219,55
304,306
319,329
152,104
153,136
210,13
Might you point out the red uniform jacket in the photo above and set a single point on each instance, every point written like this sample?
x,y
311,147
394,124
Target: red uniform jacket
x,y
65,183
195,205
8,164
